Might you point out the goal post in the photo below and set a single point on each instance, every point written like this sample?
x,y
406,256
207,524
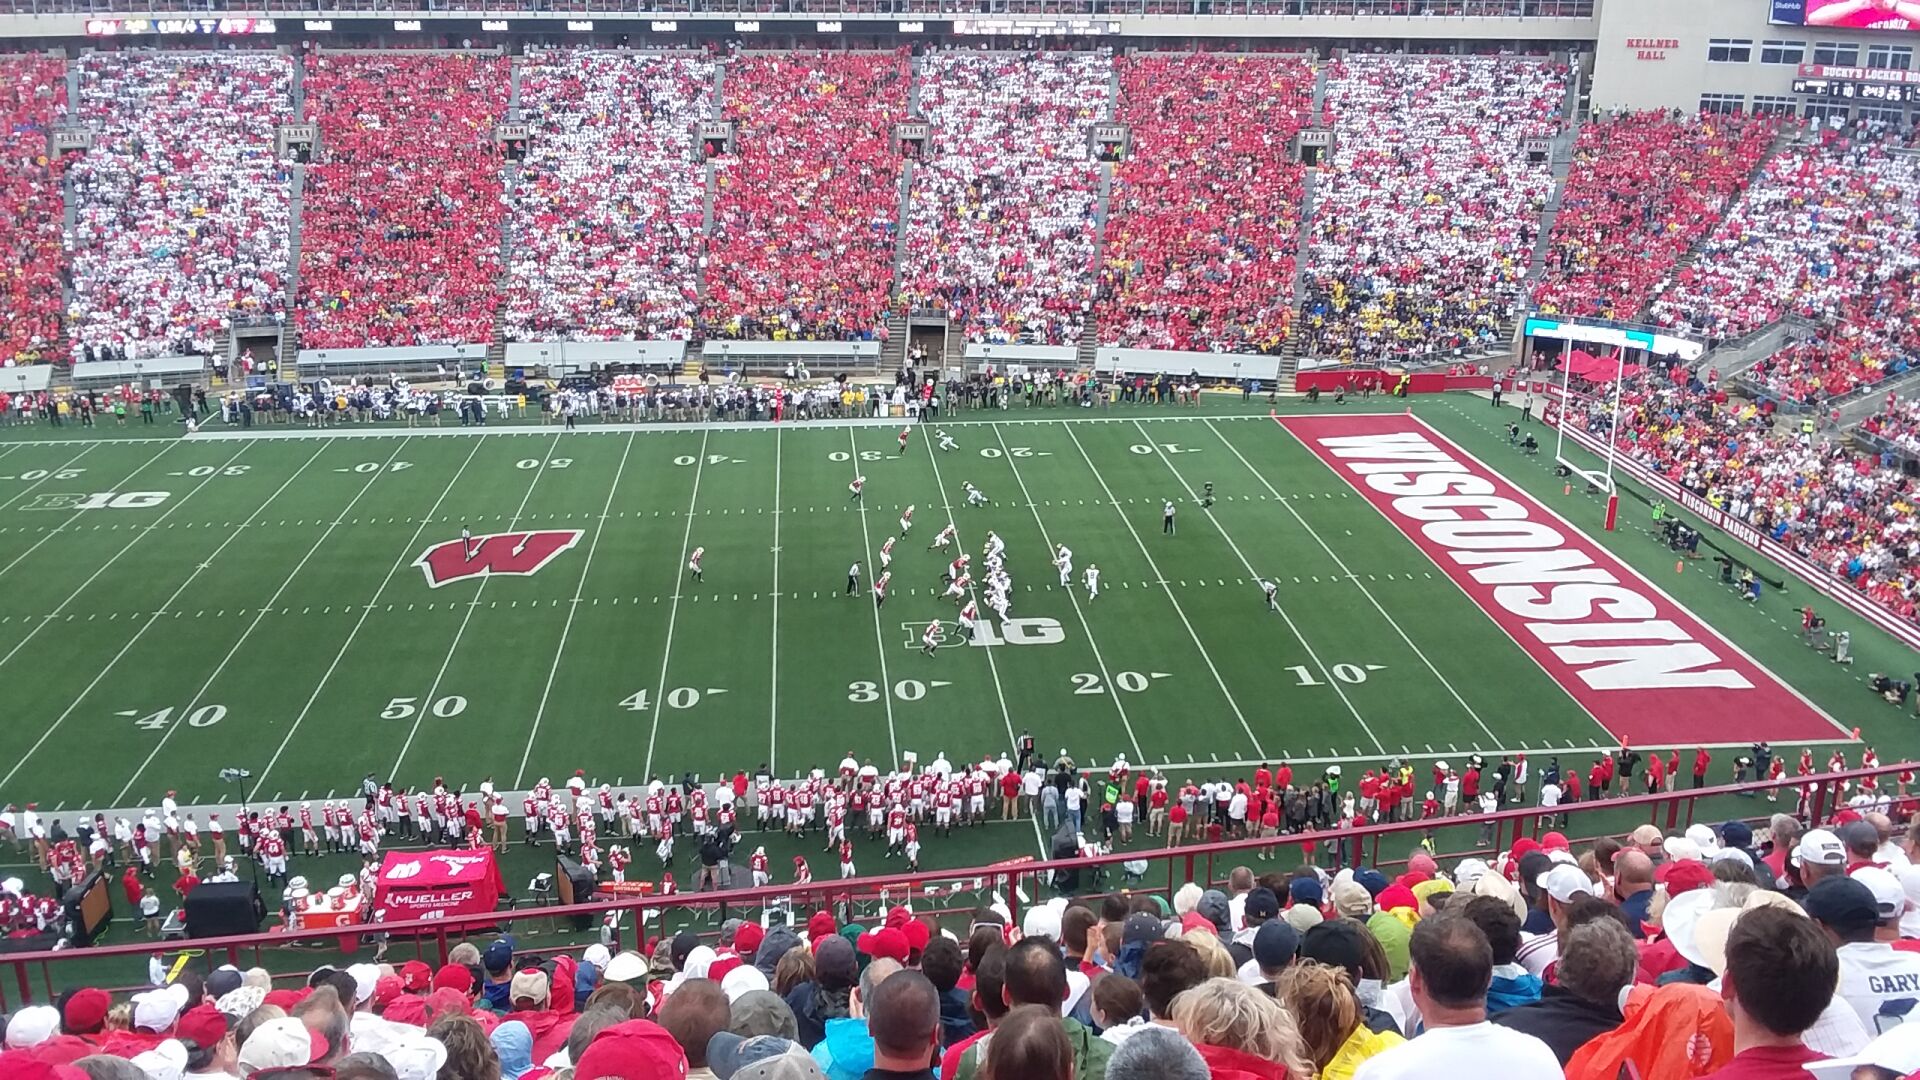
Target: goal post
x,y
1575,406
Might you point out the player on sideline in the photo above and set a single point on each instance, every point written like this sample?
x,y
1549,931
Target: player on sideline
x,y
858,487
969,613
853,578
904,432
1166,517
693,563
946,442
906,520
1092,578
974,497
942,538
1272,592
886,554
930,640
880,588
1063,561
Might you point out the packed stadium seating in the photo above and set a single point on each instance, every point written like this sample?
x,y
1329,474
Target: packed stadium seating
x,y
400,235
803,219
1830,219
1001,228
1643,189
1869,338
606,213
33,94
182,214
1898,422
1202,235
1839,509
1427,217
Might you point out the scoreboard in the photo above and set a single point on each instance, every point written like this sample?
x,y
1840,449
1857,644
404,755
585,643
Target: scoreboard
x,y
1890,93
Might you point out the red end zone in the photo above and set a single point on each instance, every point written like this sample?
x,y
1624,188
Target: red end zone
x,y
1642,665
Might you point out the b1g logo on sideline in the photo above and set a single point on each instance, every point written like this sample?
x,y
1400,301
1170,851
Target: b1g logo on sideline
x,y
103,500
1011,632
515,553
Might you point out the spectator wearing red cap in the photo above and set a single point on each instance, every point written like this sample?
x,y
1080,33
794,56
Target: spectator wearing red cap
x,y
211,1050
633,1050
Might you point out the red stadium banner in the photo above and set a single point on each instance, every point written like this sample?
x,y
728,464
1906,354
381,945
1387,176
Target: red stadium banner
x,y
1631,655
1864,14
437,884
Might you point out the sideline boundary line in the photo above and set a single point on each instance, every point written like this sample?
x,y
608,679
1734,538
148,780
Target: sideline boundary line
x,y
1355,578
579,592
1705,624
406,556
237,533
259,616
1154,565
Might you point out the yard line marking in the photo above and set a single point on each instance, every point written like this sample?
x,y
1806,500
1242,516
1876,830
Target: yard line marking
x,y
992,665
1311,653
141,632
1364,591
407,555
1113,690
579,591
433,691
291,576
879,637
773,699
51,473
115,557
56,530
673,612
1177,609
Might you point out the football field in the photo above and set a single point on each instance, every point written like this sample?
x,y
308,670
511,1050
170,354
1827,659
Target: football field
x,y
301,604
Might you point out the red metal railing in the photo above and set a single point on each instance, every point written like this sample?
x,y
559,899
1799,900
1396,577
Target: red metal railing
x,y
33,974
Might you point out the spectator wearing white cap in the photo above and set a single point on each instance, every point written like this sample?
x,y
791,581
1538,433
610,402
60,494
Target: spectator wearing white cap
x,y
1561,885
1817,856
156,1010
1891,1056
281,1043
32,1026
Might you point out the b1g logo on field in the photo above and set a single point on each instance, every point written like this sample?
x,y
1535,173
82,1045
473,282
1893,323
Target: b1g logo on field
x,y
101,500
516,553
1011,632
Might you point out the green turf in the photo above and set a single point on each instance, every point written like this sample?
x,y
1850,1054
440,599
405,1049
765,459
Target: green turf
x,y
290,616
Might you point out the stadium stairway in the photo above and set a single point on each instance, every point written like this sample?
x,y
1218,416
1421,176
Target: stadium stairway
x,y
1783,140
296,201
1319,91
893,354
1562,162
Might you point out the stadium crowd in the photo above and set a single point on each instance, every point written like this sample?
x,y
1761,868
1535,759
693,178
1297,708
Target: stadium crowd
x,y
182,216
804,208
1001,228
400,231
606,210
1204,225
1830,220
1643,189
1425,220
1844,511
33,95
1720,951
